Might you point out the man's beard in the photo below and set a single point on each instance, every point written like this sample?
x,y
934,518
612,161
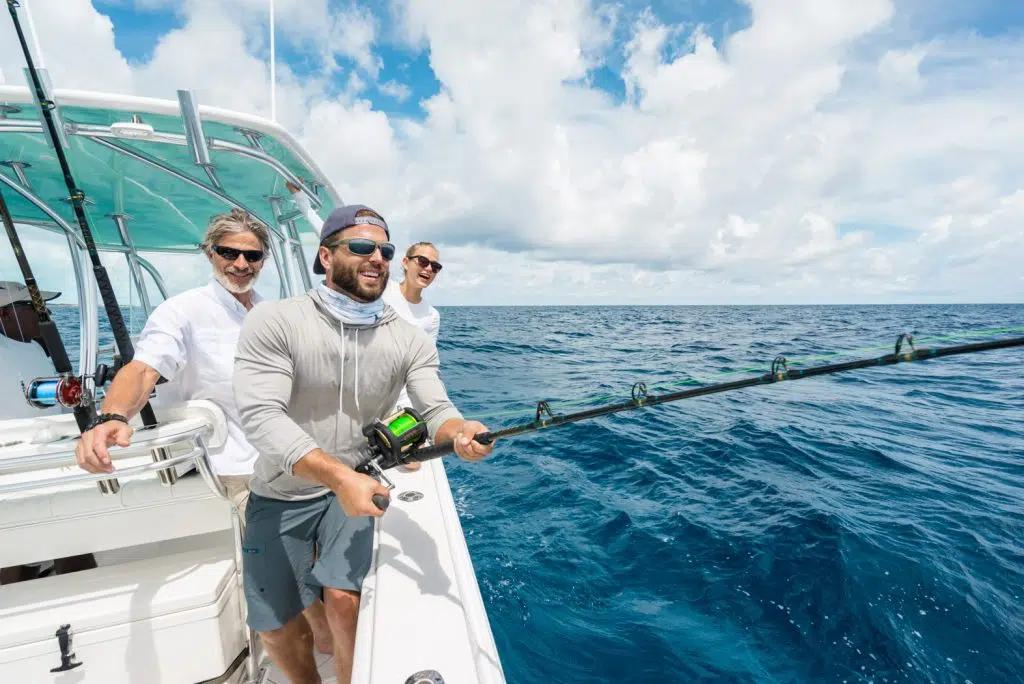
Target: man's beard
x,y
347,280
233,287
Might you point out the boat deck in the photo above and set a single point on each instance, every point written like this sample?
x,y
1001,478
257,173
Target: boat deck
x,y
325,665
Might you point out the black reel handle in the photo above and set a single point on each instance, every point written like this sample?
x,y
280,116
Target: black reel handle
x,y
382,502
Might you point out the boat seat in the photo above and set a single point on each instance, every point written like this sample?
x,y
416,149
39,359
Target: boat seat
x,y
175,617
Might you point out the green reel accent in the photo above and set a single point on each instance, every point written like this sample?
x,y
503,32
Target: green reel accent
x,y
392,439
402,424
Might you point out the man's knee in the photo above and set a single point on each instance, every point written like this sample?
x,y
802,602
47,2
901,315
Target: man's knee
x,y
295,630
341,602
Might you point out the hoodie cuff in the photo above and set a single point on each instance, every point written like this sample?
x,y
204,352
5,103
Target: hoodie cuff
x,y
299,450
435,422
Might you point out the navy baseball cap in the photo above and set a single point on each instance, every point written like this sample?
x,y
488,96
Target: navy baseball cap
x,y
345,217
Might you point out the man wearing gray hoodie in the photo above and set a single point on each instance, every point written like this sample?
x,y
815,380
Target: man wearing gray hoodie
x,y
310,372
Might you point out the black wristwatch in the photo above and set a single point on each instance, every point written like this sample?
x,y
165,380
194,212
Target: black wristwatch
x,y
106,418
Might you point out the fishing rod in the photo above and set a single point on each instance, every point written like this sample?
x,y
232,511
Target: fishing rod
x,y
399,438
122,339
77,197
66,388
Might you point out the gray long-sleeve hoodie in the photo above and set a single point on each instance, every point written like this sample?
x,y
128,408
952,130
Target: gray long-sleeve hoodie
x,y
304,380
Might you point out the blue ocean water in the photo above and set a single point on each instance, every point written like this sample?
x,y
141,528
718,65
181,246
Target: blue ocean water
x,y
866,527
862,527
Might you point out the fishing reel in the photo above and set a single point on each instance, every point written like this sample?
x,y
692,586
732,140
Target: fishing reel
x,y
66,390
390,443
63,390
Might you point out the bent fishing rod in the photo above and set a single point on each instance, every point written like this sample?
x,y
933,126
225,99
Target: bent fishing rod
x,y
399,438
46,105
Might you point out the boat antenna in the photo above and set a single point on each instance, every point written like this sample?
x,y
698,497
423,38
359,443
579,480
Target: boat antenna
x,y
273,79
48,329
121,336
397,440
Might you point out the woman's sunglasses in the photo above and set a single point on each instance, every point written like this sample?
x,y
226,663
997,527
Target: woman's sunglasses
x,y
364,247
424,262
230,253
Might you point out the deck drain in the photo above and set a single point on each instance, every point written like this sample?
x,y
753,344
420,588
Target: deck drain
x,y
425,677
410,496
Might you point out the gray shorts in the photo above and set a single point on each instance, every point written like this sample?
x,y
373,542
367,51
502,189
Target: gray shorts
x,y
293,549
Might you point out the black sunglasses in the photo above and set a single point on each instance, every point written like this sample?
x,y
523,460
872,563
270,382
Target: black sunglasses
x,y
424,262
230,253
364,247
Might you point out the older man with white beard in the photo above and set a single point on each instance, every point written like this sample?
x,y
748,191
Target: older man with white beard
x,y
190,339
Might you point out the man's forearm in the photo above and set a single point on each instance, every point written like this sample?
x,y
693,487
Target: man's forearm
x,y
319,467
130,390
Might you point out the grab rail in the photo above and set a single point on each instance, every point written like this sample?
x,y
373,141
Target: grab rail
x,y
198,454
92,477
37,461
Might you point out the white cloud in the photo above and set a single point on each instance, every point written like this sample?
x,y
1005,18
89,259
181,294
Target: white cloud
x,y
396,90
731,172
74,41
902,68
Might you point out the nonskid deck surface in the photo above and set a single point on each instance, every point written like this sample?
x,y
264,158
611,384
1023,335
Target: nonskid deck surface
x,y
325,665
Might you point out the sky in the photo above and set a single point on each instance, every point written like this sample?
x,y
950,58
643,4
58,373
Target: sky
x,y
586,152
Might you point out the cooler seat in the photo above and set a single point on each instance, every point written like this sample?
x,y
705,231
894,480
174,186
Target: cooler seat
x,y
173,618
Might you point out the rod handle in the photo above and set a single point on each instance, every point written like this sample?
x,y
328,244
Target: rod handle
x,y
445,448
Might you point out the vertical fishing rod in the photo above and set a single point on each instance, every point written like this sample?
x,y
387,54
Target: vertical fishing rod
x,y
82,403
77,196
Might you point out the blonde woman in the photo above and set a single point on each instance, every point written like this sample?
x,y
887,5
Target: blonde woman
x,y
421,267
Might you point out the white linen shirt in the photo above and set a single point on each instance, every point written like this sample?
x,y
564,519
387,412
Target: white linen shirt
x,y
190,339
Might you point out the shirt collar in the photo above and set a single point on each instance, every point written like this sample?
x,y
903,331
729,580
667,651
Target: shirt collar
x,y
221,294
